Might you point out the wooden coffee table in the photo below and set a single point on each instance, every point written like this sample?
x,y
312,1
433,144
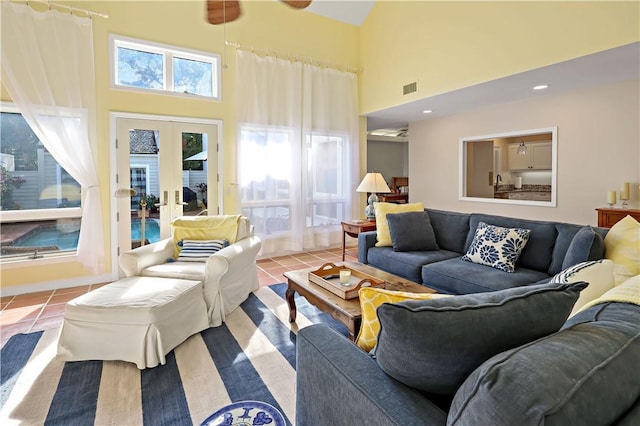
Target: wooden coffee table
x,y
346,311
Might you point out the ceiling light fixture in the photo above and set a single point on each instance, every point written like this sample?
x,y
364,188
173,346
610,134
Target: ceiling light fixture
x,y
427,111
522,149
540,87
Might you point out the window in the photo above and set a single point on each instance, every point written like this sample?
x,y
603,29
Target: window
x,y
271,185
266,174
139,183
325,155
141,65
40,201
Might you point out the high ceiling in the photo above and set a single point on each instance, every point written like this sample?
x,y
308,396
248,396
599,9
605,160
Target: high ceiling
x,y
352,12
606,67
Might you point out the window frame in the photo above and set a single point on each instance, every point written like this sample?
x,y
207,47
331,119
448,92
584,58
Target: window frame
x,y
168,53
32,215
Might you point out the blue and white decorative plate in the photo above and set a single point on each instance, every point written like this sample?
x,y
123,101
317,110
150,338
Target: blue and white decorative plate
x,y
246,413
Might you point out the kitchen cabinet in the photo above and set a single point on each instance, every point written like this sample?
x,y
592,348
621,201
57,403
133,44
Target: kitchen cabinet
x,y
538,157
531,195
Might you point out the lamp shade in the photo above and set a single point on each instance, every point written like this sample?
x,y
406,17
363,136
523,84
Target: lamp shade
x,y
373,182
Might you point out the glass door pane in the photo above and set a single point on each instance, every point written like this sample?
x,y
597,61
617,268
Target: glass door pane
x,y
168,165
140,144
198,168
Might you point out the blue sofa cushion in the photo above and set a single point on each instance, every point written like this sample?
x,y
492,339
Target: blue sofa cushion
x,y
565,234
497,247
537,253
586,245
455,276
406,264
451,229
411,231
584,374
433,345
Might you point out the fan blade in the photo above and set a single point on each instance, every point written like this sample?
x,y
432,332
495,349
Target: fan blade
x,y
221,11
297,4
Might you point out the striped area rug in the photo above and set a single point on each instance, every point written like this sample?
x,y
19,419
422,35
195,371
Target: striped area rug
x,y
252,356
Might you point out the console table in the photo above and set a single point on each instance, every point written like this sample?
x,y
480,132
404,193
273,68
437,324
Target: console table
x,y
352,229
608,217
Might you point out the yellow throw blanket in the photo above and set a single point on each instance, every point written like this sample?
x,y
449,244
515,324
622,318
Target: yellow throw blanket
x,y
627,292
220,227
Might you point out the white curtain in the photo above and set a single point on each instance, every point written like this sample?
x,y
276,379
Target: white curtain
x,y
297,151
48,70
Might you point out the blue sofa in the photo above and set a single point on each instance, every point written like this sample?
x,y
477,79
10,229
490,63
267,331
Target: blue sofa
x,y
584,374
551,248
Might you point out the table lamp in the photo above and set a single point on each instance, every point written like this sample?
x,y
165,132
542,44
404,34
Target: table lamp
x,y
374,183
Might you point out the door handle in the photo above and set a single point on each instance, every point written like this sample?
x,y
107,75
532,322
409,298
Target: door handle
x,y
178,201
165,196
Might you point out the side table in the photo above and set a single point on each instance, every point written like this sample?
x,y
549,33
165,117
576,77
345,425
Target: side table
x,y
607,217
352,229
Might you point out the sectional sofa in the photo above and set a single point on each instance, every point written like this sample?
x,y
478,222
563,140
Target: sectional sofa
x,y
551,248
584,374
510,348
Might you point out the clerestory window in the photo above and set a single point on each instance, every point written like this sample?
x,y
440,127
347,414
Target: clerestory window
x,y
142,65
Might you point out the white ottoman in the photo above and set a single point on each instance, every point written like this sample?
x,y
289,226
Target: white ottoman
x,y
135,319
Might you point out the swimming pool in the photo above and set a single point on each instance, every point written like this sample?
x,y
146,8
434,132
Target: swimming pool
x,y
49,235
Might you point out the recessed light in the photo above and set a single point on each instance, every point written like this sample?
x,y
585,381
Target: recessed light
x,y
541,87
427,111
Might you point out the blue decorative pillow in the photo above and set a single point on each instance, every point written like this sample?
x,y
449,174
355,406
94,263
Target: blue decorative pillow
x,y
411,231
497,247
561,378
587,244
199,250
433,345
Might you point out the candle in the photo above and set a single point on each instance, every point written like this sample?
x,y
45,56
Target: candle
x,y
611,197
345,276
624,191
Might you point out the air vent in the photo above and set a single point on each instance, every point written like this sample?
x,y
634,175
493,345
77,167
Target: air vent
x,y
410,88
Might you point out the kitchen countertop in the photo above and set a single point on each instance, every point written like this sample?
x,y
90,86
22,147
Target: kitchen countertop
x,y
519,190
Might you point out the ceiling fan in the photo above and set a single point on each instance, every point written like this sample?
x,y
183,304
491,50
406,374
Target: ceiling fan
x,y
222,11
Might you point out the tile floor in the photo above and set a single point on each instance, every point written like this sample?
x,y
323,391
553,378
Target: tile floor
x,y
44,310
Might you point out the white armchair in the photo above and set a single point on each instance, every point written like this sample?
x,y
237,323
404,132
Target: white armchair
x,y
228,276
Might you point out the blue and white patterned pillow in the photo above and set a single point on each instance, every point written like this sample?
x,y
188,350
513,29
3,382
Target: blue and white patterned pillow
x,y
199,250
497,247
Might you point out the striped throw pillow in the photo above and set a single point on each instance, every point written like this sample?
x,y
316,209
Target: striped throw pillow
x,y
598,273
199,250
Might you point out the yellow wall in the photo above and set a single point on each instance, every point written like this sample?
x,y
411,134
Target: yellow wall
x,y
450,45
269,26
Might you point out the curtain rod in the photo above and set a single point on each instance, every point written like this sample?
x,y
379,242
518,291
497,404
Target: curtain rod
x,y
71,9
293,58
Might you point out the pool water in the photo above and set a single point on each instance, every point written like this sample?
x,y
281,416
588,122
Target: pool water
x,y
50,236
151,230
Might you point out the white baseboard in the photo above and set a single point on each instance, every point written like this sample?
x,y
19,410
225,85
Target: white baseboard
x,y
54,285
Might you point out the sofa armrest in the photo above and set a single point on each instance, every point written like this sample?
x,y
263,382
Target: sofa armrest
x,y
339,384
132,262
366,240
230,274
233,258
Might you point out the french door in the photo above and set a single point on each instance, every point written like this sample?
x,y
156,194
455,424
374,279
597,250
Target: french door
x,y
172,166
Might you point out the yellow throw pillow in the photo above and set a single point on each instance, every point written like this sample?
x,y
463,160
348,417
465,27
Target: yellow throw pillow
x,y
370,299
622,245
382,226
220,227
626,292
